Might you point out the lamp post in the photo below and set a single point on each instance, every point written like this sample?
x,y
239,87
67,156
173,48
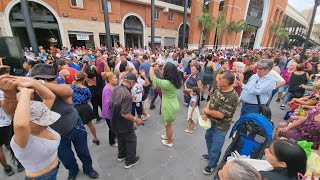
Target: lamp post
x,y
107,24
152,24
316,4
29,26
185,23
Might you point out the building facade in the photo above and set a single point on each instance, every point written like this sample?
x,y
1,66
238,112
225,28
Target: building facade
x,y
81,22
260,14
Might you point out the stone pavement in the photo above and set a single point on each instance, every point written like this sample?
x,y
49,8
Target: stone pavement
x,y
158,162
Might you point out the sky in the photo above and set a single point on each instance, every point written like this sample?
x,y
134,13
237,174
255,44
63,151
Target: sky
x,y
301,5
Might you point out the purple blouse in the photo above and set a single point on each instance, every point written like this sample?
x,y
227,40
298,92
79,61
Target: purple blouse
x,y
106,102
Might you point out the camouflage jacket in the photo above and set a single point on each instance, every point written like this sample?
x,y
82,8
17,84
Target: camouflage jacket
x,y
225,102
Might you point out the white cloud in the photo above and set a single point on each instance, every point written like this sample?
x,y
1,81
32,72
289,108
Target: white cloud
x,y
301,5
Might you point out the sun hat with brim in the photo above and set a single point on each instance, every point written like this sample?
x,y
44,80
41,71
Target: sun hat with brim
x,y
204,124
44,71
42,115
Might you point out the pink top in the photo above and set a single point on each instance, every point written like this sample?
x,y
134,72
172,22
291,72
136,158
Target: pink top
x,y
106,101
99,64
286,76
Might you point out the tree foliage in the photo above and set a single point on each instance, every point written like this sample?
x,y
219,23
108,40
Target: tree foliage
x,y
206,21
280,33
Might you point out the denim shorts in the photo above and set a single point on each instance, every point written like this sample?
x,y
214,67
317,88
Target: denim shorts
x,y
51,175
284,88
135,108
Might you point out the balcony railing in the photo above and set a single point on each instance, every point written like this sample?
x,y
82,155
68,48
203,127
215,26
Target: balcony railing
x,y
177,2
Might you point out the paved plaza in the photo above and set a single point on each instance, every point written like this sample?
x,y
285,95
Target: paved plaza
x,y
158,162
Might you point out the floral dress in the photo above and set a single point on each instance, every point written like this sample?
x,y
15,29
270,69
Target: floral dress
x,y
308,130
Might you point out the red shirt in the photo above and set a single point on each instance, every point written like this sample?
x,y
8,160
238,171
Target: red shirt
x,y
72,72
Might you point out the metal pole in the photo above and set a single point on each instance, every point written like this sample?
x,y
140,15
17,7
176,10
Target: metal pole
x,y
29,26
152,24
107,24
185,24
316,4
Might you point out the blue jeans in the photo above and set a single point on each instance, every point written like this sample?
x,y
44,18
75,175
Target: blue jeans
x,y
249,108
51,175
287,98
78,137
274,92
214,140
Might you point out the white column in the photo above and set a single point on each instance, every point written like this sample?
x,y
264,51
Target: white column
x,y
96,39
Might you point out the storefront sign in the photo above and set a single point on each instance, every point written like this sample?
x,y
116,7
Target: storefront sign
x,y
83,37
156,39
168,41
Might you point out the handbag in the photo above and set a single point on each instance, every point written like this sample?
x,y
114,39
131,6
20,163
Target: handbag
x,y
264,109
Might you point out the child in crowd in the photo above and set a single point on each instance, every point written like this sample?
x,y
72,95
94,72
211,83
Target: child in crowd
x,y
193,111
137,92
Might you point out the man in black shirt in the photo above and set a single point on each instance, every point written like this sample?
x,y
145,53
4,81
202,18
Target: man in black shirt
x,y
122,121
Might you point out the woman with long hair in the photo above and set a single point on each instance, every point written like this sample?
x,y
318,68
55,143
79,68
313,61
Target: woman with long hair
x,y
208,77
112,81
295,90
287,158
80,97
94,82
170,84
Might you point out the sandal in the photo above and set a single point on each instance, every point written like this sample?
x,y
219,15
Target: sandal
x,y
96,141
188,131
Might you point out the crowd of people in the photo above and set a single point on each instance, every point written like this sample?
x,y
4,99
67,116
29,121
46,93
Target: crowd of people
x,y
43,113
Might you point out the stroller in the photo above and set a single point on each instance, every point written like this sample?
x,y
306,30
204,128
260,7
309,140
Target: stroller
x,y
250,136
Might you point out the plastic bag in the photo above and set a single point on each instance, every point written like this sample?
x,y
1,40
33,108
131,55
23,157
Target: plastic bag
x,y
313,164
306,146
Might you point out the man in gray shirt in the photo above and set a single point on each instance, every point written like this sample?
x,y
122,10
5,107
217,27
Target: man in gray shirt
x,y
186,60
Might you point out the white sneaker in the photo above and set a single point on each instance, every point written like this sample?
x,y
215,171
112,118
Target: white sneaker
x,y
164,137
121,159
166,144
145,117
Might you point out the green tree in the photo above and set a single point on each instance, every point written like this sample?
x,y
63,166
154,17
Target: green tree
x,y
238,27
206,21
280,34
219,24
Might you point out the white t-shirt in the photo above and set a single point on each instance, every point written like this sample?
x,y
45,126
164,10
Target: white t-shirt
x,y
137,90
116,69
5,120
277,76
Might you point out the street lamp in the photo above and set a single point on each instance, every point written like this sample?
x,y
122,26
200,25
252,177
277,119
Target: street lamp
x,y
29,26
316,4
152,24
107,24
185,23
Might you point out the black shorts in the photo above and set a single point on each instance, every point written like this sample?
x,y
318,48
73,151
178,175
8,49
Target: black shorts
x,y
5,135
